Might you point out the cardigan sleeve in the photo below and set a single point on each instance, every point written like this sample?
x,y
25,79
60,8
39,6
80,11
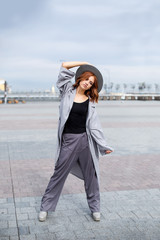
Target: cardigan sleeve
x,y
97,133
64,80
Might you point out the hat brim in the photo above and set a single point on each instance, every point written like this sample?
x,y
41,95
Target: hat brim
x,y
94,70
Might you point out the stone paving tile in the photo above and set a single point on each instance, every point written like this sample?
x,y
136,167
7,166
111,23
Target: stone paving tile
x,y
105,233
142,214
26,223
78,219
7,217
74,226
23,230
3,200
38,229
4,238
81,234
23,216
57,228
65,235
7,232
3,224
14,238
29,237
46,236
12,224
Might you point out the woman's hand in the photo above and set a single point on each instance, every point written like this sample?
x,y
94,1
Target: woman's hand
x,y
108,151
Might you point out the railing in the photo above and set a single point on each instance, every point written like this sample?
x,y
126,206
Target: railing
x,y
35,98
143,97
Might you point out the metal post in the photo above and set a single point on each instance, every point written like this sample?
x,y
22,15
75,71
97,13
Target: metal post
x,y
108,85
5,92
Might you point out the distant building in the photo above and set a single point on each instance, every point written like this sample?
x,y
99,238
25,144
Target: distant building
x,y
47,91
9,89
53,89
2,85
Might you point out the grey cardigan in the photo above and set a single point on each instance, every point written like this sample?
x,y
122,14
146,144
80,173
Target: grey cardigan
x,y
97,142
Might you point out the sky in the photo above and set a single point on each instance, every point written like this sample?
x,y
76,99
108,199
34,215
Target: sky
x,y
120,38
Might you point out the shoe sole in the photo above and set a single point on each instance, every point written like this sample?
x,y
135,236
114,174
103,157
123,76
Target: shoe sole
x,y
97,220
42,220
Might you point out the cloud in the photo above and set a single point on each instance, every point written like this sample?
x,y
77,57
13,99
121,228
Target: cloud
x,y
18,12
101,9
36,35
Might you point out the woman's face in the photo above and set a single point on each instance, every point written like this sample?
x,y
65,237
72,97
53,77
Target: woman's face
x,y
87,83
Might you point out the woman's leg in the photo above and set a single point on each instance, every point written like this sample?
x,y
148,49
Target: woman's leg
x,y
71,145
56,183
90,179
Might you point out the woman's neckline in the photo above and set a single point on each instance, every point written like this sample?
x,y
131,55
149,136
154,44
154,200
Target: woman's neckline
x,y
82,102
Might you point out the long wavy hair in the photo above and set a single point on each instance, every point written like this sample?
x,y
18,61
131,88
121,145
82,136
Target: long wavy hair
x,y
93,91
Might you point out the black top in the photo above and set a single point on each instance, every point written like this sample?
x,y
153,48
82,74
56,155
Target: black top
x,y
76,122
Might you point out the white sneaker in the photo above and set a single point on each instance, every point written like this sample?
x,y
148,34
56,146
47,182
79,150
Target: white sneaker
x,y
96,216
42,216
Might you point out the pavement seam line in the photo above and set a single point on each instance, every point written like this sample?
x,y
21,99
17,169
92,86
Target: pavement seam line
x,y
13,190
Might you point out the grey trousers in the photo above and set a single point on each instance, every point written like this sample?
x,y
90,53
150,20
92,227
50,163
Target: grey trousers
x,y
74,148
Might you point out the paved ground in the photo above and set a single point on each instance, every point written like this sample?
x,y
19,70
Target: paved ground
x,y
130,177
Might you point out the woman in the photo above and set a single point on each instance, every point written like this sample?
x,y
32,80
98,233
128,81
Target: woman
x,y
80,137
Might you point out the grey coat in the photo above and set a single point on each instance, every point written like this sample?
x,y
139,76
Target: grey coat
x,y
94,131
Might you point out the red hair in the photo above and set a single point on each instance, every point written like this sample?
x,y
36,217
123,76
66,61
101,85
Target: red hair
x,y
93,91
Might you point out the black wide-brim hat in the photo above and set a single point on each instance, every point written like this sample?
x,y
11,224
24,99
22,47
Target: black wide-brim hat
x,y
94,70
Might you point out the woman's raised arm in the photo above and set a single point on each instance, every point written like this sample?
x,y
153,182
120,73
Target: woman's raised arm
x,y
68,65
